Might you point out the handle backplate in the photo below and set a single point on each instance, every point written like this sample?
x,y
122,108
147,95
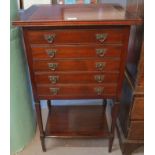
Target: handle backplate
x,y
101,52
100,65
52,66
99,90
101,37
99,78
54,91
51,52
49,37
54,79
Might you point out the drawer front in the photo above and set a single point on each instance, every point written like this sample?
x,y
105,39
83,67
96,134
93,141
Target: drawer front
x,y
137,111
75,78
77,65
136,130
70,51
76,90
76,36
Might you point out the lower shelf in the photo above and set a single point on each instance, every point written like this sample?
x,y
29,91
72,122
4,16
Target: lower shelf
x,y
77,121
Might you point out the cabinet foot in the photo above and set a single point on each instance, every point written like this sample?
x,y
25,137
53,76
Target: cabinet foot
x,y
40,124
42,139
114,114
110,143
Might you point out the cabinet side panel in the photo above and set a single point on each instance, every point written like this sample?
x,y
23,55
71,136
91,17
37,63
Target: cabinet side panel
x,y
125,104
29,60
123,60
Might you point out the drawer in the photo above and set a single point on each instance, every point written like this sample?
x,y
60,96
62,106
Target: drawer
x,y
76,90
77,65
136,130
75,78
71,51
137,111
68,36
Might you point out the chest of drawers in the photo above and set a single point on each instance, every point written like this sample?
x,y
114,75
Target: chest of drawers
x,y
76,59
85,62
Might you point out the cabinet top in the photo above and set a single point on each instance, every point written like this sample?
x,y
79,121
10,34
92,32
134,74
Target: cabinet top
x,y
76,14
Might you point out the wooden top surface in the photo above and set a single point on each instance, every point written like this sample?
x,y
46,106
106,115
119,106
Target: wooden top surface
x,y
76,14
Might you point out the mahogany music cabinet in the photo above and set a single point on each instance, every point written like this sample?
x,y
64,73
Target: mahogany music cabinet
x,y
76,52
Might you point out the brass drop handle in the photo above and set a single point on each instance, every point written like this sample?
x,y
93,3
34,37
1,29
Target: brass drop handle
x,y
101,52
101,37
100,65
54,91
49,37
99,90
51,52
54,79
52,66
99,78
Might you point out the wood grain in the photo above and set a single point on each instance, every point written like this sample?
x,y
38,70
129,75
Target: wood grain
x,y
77,65
60,15
75,36
136,130
76,78
137,112
76,90
86,121
74,51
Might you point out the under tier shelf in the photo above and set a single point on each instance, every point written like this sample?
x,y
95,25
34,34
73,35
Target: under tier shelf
x,y
77,121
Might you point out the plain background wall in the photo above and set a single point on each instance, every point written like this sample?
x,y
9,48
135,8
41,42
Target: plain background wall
x,y
22,119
